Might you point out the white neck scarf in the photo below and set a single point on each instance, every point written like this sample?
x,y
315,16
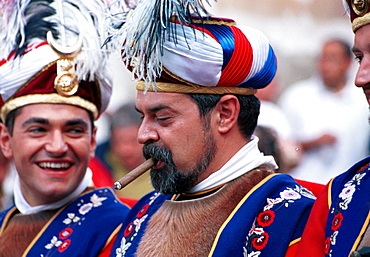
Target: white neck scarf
x,y
246,159
25,208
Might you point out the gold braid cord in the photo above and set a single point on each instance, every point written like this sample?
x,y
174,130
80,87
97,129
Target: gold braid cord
x,y
46,98
360,21
186,89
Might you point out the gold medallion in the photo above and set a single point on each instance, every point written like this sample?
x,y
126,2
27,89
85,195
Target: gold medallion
x,y
66,84
360,6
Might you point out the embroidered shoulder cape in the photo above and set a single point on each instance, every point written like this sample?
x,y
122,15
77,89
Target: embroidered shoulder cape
x,y
82,228
269,219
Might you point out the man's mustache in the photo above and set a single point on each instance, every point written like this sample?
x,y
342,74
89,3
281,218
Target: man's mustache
x,y
151,150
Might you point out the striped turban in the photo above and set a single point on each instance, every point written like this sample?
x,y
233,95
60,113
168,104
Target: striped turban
x,y
195,55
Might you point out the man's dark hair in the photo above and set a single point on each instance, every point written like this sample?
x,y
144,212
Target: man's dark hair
x,y
249,110
10,118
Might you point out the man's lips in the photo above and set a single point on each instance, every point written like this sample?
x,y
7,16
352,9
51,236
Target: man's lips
x,y
158,164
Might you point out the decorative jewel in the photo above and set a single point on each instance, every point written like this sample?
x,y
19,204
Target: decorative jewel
x,y
66,82
360,6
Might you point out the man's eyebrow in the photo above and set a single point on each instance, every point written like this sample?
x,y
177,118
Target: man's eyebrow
x,y
354,49
156,108
41,121
77,122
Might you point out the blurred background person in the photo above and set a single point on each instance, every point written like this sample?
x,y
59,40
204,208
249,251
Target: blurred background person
x,y
273,124
268,143
328,116
122,152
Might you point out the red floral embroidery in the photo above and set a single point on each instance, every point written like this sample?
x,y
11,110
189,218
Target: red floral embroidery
x,y
266,218
64,246
65,233
260,242
337,222
327,245
143,211
129,229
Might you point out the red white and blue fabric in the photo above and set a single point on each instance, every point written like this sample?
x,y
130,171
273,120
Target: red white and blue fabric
x,y
265,223
218,55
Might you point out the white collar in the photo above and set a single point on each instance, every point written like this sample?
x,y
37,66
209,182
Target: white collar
x,y
246,159
23,206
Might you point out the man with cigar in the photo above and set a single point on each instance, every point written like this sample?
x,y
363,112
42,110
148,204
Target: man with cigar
x,y
51,92
215,193
339,222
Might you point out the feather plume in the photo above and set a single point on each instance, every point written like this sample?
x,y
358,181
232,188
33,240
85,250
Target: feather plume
x,y
346,7
24,23
148,27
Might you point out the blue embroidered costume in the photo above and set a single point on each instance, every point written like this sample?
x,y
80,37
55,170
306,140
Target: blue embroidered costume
x,y
340,217
266,221
82,228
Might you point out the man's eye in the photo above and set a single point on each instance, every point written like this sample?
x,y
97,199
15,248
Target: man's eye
x,y
358,59
36,130
76,131
162,119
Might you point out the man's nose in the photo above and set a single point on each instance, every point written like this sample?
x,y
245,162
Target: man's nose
x,y
147,133
56,144
363,73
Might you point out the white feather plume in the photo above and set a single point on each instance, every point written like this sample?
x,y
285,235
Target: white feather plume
x,y
146,29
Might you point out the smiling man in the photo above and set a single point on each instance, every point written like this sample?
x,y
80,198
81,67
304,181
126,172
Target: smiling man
x,y
51,93
215,193
339,222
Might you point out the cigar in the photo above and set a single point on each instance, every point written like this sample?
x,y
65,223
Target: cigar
x,y
134,174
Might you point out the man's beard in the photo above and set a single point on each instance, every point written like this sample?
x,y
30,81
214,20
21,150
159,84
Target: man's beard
x,y
168,179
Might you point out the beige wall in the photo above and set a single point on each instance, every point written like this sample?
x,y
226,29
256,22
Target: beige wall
x,y
295,28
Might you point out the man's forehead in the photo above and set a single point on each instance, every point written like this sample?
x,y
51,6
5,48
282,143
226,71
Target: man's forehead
x,y
156,100
361,39
53,111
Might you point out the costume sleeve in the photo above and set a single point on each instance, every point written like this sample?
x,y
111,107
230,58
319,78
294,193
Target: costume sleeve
x,y
106,251
291,251
315,188
313,238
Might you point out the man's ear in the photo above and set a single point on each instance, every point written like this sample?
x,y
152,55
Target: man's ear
x,y
5,141
228,109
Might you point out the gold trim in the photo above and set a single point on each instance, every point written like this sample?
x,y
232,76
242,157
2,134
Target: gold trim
x,y
206,21
330,184
185,89
360,6
362,232
7,218
66,84
46,98
360,21
263,181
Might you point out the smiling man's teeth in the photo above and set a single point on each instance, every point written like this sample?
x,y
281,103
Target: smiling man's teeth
x,y
51,165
